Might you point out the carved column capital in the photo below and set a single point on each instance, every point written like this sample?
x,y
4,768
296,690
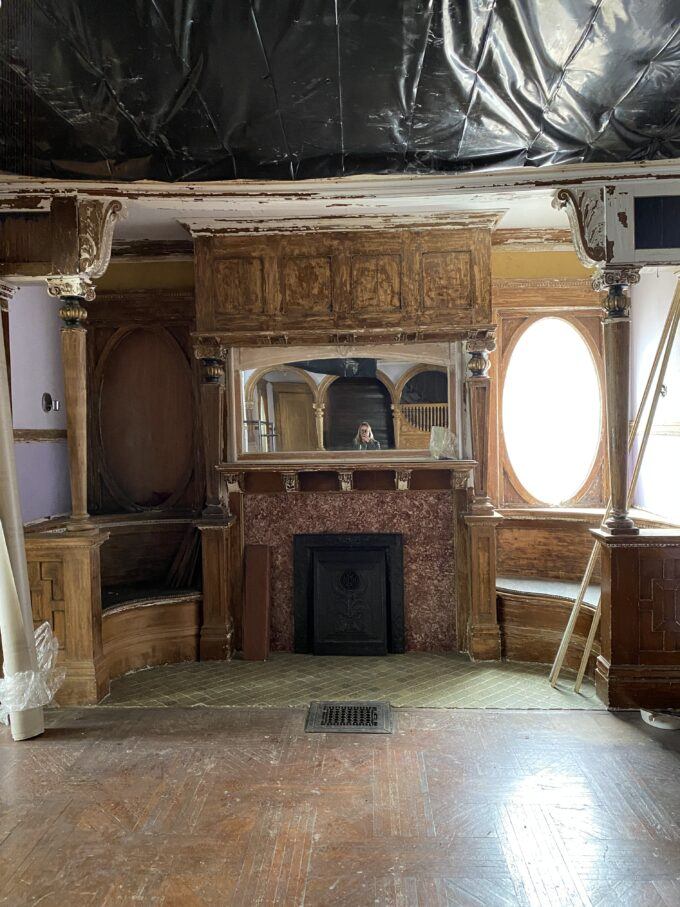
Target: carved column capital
x,y
478,348
213,356
213,371
72,312
70,287
616,304
210,348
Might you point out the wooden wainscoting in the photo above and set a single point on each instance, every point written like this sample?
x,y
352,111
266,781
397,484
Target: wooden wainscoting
x,y
149,632
532,626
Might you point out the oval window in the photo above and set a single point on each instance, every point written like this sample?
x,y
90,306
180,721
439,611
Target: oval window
x,y
551,410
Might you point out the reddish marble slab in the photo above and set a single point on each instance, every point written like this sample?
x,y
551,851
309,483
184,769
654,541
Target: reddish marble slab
x,y
425,520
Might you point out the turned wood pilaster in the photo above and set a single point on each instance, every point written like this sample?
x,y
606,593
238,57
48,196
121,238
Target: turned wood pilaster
x,y
616,337
396,420
319,410
479,399
73,293
217,627
213,360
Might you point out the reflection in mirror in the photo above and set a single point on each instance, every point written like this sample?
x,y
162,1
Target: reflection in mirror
x,y
343,404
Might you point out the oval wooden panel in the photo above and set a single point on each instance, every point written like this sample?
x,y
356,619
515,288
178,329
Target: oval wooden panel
x,y
146,417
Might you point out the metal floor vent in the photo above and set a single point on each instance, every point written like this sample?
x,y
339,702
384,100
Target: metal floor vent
x,y
349,718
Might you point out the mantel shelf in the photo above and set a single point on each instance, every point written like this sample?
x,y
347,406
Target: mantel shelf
x,y
287,473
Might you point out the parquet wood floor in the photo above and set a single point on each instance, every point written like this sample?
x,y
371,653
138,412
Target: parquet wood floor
x,y
189,807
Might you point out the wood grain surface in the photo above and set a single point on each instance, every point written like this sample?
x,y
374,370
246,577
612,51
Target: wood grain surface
x,y
240,807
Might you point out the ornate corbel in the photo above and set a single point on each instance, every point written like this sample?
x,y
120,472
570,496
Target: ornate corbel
x,y
234,482
346,480
402,479
586,212
96,222
291,482
460,480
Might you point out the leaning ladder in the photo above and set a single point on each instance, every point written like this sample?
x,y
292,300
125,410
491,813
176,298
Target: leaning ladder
x,y
661,358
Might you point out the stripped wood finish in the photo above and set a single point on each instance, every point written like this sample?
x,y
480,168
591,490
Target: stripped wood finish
x,y
240,807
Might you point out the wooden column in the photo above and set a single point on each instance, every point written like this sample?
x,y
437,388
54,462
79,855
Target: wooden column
x,y
479,398
319,410
483,636
213,357
616,337
16,624
216,525
73,292
217,627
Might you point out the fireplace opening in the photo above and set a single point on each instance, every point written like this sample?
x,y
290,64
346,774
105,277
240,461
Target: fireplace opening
x,y
349,594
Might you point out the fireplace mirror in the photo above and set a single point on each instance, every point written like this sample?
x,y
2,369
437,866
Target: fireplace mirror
x,y
344,403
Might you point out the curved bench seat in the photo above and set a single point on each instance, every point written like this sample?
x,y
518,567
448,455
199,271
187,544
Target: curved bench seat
x,y
533,612
156,627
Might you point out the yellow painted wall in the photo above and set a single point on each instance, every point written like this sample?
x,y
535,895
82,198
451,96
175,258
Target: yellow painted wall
x,y
505,264
167,275
508,265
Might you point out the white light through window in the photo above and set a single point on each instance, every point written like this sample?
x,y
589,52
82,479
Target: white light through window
x,y
551,410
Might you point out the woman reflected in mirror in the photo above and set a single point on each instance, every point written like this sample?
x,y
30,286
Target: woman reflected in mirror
x,y
364,440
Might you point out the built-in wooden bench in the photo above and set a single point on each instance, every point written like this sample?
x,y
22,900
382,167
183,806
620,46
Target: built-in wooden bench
x,y
144,628
533,612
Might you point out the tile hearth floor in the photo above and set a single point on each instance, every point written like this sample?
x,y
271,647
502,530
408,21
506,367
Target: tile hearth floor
x,y
416,679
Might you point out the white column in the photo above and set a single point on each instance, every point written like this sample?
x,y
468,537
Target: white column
x,y
16,619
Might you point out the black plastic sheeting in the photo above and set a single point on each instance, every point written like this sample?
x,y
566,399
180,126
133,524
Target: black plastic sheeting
x,y
293,89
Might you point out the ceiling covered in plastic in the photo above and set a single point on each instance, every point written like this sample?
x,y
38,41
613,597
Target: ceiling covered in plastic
x,y
294,89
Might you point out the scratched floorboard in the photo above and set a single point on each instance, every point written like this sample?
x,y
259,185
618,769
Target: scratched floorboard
x,y
240,807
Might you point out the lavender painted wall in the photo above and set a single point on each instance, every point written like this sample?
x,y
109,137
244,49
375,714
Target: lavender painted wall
x,y
35,356
658,488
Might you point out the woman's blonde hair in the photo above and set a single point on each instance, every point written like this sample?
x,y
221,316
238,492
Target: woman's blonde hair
x,y
357,437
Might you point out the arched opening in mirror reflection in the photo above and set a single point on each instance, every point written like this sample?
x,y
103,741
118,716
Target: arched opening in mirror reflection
x,y
551,410
320,404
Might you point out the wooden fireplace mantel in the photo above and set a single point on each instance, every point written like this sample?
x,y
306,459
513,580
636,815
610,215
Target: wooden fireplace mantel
x,y
337,472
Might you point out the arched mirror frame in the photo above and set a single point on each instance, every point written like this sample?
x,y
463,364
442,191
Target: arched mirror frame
x,y
280,358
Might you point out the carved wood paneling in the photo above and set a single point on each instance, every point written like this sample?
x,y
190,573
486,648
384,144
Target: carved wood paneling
x,y
446,280
640,662
46,581
376,283
123,325
328,286
241,283
659,603
306,284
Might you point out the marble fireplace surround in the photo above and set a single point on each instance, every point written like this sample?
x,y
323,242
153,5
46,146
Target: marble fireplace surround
x,y
425,519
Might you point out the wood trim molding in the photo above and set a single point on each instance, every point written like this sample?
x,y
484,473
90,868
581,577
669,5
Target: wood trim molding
x,y
525,239
148,250
541,283
31,435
